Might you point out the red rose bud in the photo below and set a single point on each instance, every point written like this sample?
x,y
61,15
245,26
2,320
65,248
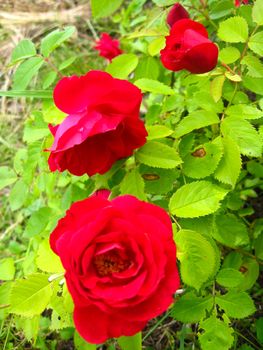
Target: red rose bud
x,y
120,263
239,2
188,47
103,124
176,13
108,47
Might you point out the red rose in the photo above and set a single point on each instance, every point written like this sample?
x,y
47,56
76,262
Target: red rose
x,y
239,2
108,47
176,13
120,263
103,124
188,47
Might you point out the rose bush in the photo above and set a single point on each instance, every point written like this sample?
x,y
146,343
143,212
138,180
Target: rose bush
x,y
108,47
120,262
103,124
188,47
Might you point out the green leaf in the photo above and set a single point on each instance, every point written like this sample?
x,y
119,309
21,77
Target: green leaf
x,y
156,46
7,269
230,231
37,222
198,198
244,134
216,87
133,183
204,160
162,3
197,257
191,308
259,246
18,195
229,167
104,8
233,30
154,86
47,260
236,304
24,49
28,93
158,155
255,43
35,129
253,84
54,39
82,344
195,120
254,65
158,132
123,65
30,296
229,278
65,64
7,176
244,111
217,334
29,326
131,343
259,328
229,54
148,68
49,79
26,71
257,12
250,271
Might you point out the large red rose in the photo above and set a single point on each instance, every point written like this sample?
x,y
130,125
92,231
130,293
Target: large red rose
x,y
120,263
188,47
176,13
103,124
108,47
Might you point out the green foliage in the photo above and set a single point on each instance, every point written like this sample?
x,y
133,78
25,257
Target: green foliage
x,y
236,304
24,49
229,278
122,66
26,71
154,86
133,184
104,8
233,30
7,176
131,343
54,39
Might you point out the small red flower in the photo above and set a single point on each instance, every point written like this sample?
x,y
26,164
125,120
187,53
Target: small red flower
x,y
103,124
239,2
120,263
176,13
108,47
188,47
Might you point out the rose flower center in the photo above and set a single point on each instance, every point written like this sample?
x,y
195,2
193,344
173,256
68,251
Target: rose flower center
x,y
109,263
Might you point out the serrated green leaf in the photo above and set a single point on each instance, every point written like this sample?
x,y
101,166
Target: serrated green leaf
x,y
229,278
104,8
18,194
197,257
253,84
133,183
229,167
30,326
156,46
244,134
244,111
54,39
229,54
148,67
217,335
26,71
216,87
236,304
47,260
233,30
7,269
7,176
123,65
24,49
35,129
199,166
195,120
198,198
30,296
37,222
154,86
255,43
230,231
250,271
254,65
158,155
42,94
257,12
191,308
158,132
131,343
